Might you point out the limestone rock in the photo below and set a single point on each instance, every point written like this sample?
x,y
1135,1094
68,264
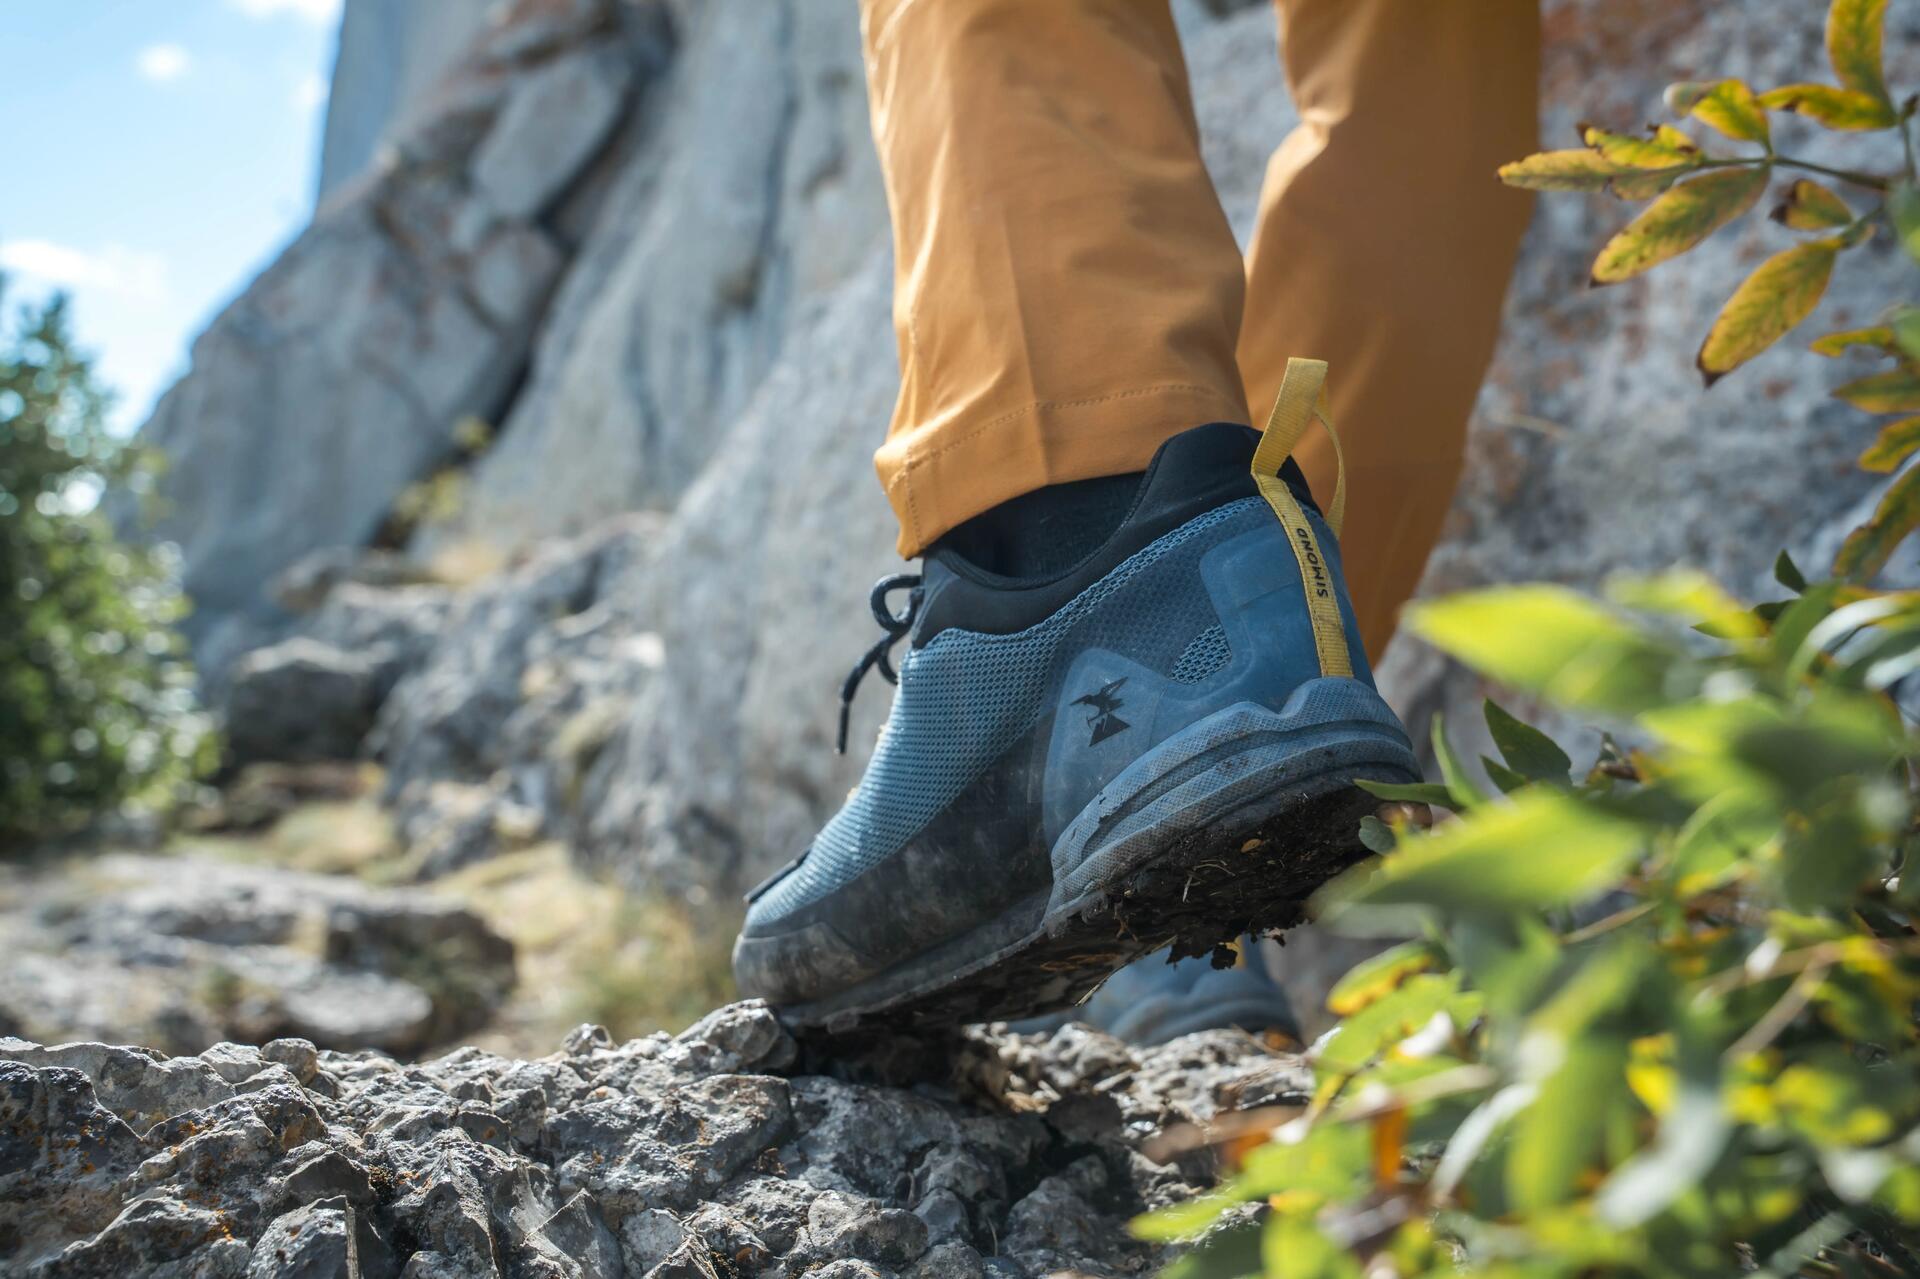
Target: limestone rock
x,y
341,376
391,52
487,733
552,124
689,1155
184,952
299,701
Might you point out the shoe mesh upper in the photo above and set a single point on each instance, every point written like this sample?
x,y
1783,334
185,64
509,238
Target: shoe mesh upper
x,y
1208,652
965,698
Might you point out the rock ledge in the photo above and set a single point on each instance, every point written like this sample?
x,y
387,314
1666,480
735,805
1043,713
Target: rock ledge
x,y
710,1155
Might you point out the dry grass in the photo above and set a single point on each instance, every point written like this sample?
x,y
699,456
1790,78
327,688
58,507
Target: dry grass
x,y
585,949
591,951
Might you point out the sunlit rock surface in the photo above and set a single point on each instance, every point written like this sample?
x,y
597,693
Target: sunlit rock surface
x,y
715,1153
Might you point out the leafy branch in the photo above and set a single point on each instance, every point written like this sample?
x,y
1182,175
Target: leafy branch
x,y
1695,193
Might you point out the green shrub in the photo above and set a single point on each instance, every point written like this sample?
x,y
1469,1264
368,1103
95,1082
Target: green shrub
x,y
96,693
1659,1019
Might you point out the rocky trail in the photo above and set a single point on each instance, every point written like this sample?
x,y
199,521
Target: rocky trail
x,y
723,1152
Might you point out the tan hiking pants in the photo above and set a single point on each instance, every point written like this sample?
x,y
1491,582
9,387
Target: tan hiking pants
x,y
1068,292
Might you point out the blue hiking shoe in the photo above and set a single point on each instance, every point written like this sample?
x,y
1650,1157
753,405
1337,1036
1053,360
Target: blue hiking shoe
x,y
1156,747
1157,999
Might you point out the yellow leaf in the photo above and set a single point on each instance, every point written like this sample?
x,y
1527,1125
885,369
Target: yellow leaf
x,y
1811,207
1853,46
1834,108
1837,343
1667,135
1679,220
1576,170
1726,105
1374,979
1896,444
1629,152
1767,304
1895,391
1867,548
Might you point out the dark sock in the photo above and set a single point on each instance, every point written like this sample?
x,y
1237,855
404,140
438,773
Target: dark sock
x,y
1047,531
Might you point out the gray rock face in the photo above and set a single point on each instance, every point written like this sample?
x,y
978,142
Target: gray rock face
x,y
677,307
301,700
705,1154
341,376
391,52
183,952
488,736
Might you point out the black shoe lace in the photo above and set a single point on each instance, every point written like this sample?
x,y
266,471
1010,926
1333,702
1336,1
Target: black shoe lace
x,y
896,626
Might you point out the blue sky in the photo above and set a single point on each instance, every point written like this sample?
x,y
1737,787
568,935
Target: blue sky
x,y
159,153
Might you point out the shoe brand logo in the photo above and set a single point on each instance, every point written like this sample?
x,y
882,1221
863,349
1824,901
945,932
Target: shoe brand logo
x,y
1101,705
1311,552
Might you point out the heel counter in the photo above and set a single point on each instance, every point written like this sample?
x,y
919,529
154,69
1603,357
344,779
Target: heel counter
x,y
1261,593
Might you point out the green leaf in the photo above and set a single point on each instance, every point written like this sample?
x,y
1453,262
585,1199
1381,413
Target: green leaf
x,y
1376,836
1835,108
1716,840
1386,1021
1788,574
1574,170
1408,792
1551,641
1679,220
1528,751
1897,442
1501,776
1838,343
1812,207
1903,210
1226,1254
1895,391
1371,980
1466,794
1726,105
1686,593
1771,301
1693,1133
1543,850
1557,1137
1867,548
1295,1248
1183,1220
1905,324
1853,46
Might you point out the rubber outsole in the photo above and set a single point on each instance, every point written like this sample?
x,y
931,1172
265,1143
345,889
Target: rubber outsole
x,y
1223,831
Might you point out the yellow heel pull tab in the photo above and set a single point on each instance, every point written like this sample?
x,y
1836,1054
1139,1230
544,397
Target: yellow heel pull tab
x,y
1303,398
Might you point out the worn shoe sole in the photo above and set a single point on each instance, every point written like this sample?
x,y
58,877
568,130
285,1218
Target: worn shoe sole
x,y
1223,829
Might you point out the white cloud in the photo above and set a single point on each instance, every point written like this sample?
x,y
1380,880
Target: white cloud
x,y
322,11
311,93
114,269
162,63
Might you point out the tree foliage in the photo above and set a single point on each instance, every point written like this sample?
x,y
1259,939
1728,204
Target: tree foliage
x,y
1658,1019
96,693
